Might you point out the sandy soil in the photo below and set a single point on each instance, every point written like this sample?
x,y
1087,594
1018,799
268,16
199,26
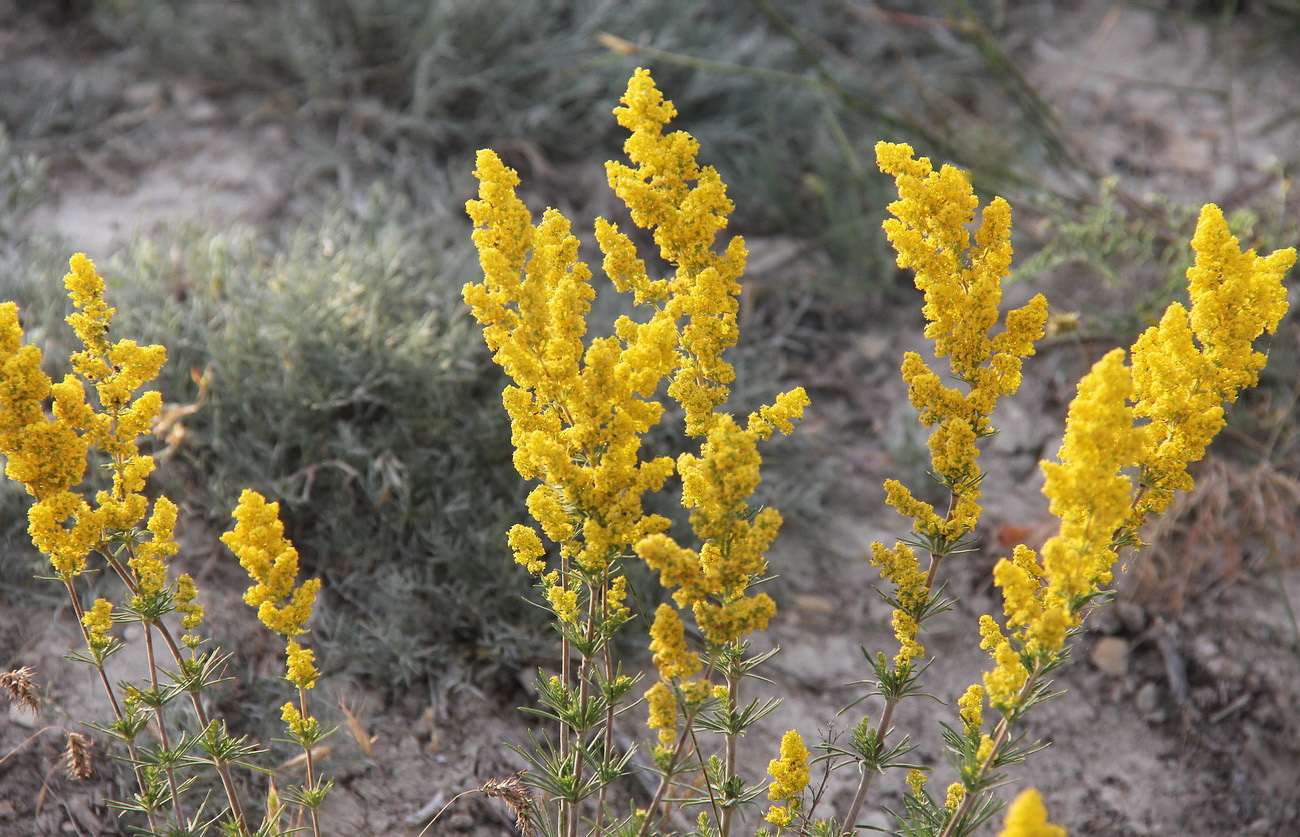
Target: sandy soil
x,y
1179,713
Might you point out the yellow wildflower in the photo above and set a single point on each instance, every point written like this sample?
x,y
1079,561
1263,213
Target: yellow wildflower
x,y
1180,387
1027,817
272,563
527,548
685,219
1088,489
916,780
99,621
301,665
186,593
301,727
86,289
668,643
900,567
663,712
67,548
789,778
905,630
971,708
962,285
1006,679
955,794
564,602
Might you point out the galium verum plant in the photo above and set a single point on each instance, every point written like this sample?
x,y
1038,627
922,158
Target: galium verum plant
x,y
96,415
579,409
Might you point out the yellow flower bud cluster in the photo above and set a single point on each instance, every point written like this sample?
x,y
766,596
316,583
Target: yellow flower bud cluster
x,y
192,611
1188,365
1153,420
962,284
48,454
714,581
98,621
579,407
272,563
789,778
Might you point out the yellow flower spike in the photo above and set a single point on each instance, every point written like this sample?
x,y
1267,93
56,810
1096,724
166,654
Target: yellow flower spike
x,y
668,644
789,778
564,602
685,219
905,630
1181,386
916,780
1027,817
900,567
1021,590
788,405
1008,676
662,712
1048,632
66,548
86,290
46,457
971,708
99,621
1088,489
527,548
186,593
272,563
297,724
953,797
300,665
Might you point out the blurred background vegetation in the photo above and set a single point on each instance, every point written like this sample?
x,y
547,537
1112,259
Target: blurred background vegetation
x,y
327,351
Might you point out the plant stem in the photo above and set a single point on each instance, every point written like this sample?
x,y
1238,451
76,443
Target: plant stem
x,y
729,770
311,767
163,737
136,764
869,776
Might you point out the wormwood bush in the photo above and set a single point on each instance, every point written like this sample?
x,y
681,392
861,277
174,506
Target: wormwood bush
x,y
580,407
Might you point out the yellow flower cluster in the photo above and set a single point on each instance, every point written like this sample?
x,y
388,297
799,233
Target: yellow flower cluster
x,y
48,457
302,728
579,407
272,563
714,581
577,412
962,285
192,611
1027,817
301,665
900,567
971,709
662,707
789,778
668,643
1180,386
1153,419
98,622
47,454
685,219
